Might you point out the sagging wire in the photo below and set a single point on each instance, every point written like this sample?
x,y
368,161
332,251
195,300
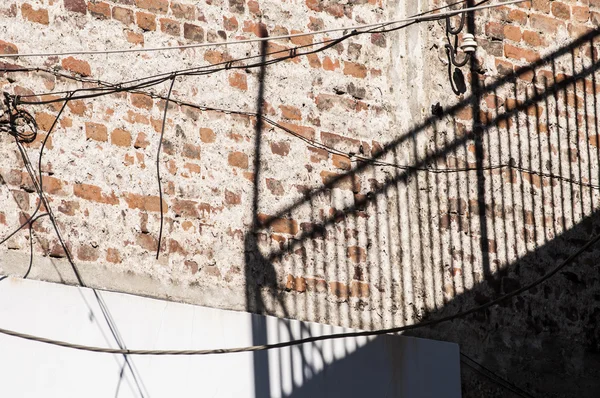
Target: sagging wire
x,y
153,80
162,132
429,323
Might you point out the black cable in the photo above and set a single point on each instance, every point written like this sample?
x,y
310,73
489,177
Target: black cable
x,y
494,376
162,132
313,339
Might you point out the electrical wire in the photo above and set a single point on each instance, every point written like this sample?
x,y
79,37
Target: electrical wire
x,y
162,133
226,65
313,339
493,376
261,39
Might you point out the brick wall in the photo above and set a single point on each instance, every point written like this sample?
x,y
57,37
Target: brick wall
x,y
499,186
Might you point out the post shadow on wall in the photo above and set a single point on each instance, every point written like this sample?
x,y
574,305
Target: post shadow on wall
x,y
536,181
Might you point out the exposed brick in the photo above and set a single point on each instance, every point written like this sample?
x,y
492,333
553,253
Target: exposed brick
x,y
145,202
94,193
146,21
297,284
275,186
207,135
328,64
359,289
279,225
281,148
238,80
193,32
238,159
35,15
77,107
306,132
232,198
545,24
77,66
354,69
191,151
356,254
345,182
185,11
339,289
75,6
100,10
561,10
8,48
156,6
520,53
113,256
170,26
96,131
185,208
123,15
230,24
120,137
512,33
142,101
134,38
290,112
237,6
341,162
87,253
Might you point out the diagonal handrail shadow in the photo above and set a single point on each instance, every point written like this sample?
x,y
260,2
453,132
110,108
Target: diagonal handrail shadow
x,y
552,102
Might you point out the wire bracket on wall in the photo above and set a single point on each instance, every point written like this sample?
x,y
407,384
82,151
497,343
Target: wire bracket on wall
x,y
468,47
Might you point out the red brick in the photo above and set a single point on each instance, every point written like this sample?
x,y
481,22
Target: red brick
x,y
279,225
290,112
123,15
232,198
146,21
359,289
145,202
113,256
193,32
356,254
355,69
238,159
100,10
134,38
207,135
238,80
120,137
297,284
75,6
520,53
142,101
87,253
306,132
77,66
339,289
185,208
185,11
230,24
561,10
512,33
8,48
545,24
275,186
341,181
94,193
156,6
37,16
96,131
170,26
281,148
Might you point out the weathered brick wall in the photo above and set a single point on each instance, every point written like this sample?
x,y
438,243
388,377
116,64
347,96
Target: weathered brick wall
x,y
366,209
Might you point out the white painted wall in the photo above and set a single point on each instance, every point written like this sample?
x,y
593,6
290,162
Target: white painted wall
x,y
394,366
